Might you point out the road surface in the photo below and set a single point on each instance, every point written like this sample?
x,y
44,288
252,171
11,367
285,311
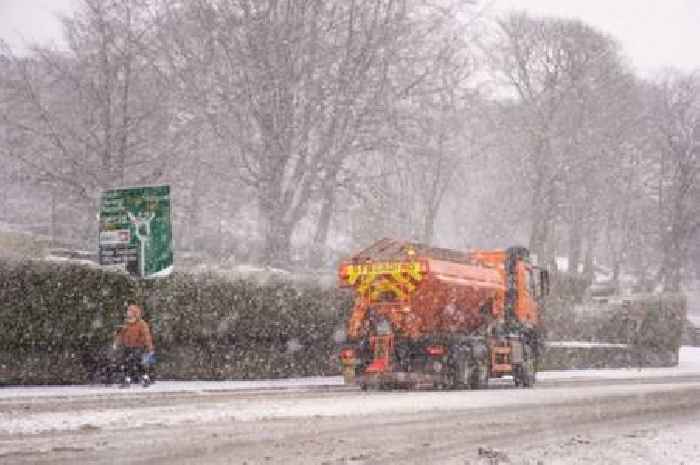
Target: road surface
x,y
605,416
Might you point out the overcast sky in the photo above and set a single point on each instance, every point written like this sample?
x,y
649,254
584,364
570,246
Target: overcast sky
x,y
32,20
654,33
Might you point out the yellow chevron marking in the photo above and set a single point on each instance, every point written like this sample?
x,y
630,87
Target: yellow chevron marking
x,y
364,277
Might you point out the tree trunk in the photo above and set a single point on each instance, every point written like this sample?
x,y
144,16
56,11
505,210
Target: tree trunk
x,y
588,265
429,225
278,239
53,217
671,273
575,242
540,234
535,244
538,231
322,228
673,260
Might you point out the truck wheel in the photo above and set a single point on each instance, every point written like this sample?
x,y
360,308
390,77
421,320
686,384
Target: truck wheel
x,y
462,374
479,376
518,375
526,371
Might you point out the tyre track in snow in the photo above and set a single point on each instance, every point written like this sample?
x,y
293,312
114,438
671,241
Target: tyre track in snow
x,y
135,397
432,427
318,420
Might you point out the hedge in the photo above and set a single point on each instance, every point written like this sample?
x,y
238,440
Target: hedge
x,y
570,286
653,321
56,321
572,358
651,324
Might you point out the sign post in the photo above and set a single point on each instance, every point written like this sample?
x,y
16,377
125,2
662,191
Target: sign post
x,y
136,230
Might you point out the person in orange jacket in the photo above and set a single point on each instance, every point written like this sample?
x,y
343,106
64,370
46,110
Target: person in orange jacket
x,y
134,345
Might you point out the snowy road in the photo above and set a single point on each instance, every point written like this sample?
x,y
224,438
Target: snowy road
x,y
604,416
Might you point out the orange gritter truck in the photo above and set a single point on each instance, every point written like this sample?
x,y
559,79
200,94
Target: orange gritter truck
x,y
431,317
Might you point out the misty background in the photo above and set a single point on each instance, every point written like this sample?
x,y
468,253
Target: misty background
x,y
293,133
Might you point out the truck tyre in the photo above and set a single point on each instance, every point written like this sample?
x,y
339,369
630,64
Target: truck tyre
x,y
517,374
524,373
462,373
479,376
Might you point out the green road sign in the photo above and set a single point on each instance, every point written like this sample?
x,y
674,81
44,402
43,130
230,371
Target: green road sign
x,y
136,230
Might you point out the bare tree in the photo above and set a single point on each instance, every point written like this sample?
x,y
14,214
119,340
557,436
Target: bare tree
x,y
676,111
293,87
557,69
95,115
295,90
435,133
426,138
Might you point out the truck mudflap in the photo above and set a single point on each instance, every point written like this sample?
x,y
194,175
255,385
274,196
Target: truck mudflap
x,y
381,347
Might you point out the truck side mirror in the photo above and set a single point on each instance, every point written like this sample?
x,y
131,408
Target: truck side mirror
x,y
544,283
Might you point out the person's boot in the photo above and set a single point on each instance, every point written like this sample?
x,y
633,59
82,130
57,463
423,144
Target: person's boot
x,y
126,382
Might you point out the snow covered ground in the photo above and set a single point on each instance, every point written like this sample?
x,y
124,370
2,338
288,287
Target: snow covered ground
x,y
666,442
242,409
303,398
585,345
630,416
164,386
575,424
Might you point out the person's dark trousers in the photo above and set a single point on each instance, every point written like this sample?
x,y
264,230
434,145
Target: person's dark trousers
x,y
129,363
